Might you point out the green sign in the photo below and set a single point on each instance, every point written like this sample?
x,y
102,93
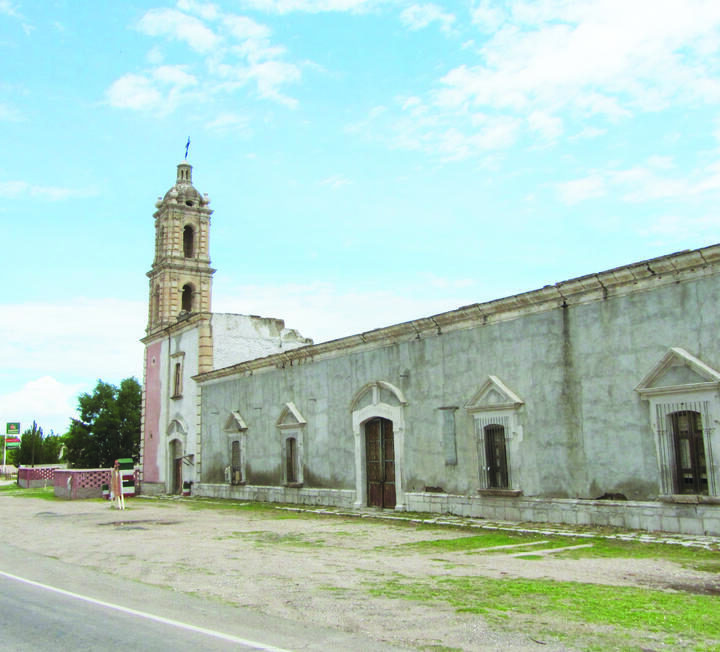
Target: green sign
x,y
12,428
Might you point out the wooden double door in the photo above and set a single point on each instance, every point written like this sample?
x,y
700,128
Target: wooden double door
x,y
380,463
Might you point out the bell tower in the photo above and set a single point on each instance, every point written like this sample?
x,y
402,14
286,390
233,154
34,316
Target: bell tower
x,y
181,276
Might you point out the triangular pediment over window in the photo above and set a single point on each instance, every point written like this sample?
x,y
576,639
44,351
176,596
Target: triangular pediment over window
x,y
678,371
290,417
494,395
235,423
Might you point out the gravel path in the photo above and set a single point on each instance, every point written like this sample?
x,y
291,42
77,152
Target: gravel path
x,y
305,567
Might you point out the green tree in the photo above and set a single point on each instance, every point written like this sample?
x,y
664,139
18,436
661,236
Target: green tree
x,y
36,448
108,427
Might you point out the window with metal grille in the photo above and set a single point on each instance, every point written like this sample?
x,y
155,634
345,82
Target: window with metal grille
x,y
236,464
689,447
290,460
684,437
496,457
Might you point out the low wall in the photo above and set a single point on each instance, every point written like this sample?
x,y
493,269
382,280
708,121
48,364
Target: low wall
x,y
80,483
655,516
678,514
152,489
35,476
275,494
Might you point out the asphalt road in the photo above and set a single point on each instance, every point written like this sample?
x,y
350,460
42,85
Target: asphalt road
x,y
48,605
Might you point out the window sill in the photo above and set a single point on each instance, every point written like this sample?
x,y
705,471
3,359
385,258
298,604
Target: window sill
x,y
504,493
238,484
174,397
690,499
294,485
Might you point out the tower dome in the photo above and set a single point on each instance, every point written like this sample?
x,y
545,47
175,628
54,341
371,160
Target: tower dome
x,y
183,192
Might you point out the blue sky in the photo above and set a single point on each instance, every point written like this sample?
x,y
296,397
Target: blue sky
x,y
368,161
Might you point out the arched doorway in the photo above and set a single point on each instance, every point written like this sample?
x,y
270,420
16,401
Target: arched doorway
x,y
380,463
378,414
176,466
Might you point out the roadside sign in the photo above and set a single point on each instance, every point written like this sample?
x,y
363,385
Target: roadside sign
x,y
12,428
12,442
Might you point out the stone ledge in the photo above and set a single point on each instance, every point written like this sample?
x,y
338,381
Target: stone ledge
x,y
502,493
690,499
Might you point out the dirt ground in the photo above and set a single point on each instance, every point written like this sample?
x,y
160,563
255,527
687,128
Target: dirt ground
x,y
305,568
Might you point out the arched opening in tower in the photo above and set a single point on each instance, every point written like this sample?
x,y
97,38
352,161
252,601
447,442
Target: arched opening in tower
x,y
188,241
187,298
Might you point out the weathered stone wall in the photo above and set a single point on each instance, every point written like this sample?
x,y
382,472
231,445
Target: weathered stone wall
x,y
198,343
237,338
574,354
586,430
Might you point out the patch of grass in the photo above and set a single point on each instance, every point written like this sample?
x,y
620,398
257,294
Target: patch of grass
x,y
46,493
711,566
484,543
564,606
689,557
476,542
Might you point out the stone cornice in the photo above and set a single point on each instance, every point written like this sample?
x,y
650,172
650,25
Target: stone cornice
x,y
185,323
197,266
620,281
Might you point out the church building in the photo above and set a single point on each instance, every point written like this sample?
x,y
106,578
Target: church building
x,y
185,338
592,401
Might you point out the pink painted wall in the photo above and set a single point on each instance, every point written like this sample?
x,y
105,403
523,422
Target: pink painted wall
x,y
35,476
80,483
153,404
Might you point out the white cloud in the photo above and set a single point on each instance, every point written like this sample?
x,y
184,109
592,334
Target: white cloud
x,y
488,17
269,75
47,401
175,76
556,65
23,190
335,181
228,52
591,187
7,8
78,338
589,133
559,53
650,182
51,352
134,92
423,128
180,26
311,6
669,230
324,311
242,27
420,16
161,89
206,10
229,122
155,56
10,114
547,126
